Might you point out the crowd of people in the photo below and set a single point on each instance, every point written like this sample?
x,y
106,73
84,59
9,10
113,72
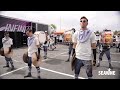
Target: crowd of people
x,y
83,46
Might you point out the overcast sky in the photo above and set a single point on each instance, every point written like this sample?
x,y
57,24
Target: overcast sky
x,y
98,20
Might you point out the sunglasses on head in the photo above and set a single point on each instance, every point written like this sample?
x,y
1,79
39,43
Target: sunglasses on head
x,y
83,21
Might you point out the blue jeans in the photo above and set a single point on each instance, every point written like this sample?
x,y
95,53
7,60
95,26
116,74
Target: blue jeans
x,y
107,52
79,63
70,48
29,61
45,48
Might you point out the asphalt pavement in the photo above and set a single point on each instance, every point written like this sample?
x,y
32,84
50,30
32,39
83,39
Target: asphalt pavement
x,y
55,67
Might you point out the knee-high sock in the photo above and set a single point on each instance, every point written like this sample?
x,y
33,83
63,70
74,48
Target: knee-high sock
x,y
11,61
7,61
38,70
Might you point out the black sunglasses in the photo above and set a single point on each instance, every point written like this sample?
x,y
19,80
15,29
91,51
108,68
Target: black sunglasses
x,y
83,21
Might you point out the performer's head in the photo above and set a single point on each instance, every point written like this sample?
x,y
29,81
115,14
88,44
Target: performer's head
x,y
83,22
46,32
73,30
6,34
29,32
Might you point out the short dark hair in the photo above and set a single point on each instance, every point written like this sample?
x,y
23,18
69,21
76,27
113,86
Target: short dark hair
x,y
83,17
73,29
6,33
30,30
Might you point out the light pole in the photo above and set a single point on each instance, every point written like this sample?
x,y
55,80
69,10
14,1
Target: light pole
x,y
60,23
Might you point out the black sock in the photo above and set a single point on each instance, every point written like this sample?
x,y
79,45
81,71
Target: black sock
x,y
11,61
7,61
94,54
29,68
38,70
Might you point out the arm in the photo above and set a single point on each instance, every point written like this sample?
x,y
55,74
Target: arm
x,y
74,40
4,40
38,46
93,45
11,43
74,46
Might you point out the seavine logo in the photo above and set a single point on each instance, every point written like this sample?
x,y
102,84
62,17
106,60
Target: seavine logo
x,y
109,72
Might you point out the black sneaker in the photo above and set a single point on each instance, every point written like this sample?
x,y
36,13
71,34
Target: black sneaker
x,y
94,63
98,65
12,68
76,77
29,75
39,77
110,66
67,60
5,66
45,57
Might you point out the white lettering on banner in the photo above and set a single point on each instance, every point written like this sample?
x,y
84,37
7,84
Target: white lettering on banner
x,y
7,27
15,27
109,72
12,28
20,28
24,28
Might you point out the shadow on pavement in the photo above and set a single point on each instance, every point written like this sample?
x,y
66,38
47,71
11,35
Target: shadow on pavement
x,y
54,61
21,72
9,69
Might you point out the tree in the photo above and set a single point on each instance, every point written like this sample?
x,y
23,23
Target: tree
x,y
54,26
97,32
115,32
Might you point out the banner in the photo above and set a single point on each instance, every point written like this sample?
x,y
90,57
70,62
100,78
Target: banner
x,y
13,25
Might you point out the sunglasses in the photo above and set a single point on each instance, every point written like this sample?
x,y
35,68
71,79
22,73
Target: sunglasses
x,y
83,21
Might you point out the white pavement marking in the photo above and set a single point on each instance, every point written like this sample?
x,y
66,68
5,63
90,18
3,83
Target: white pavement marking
x,y
61,73
54,56
112,61
115,53
13,71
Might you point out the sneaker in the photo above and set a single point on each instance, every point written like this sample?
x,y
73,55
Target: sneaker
x,y
39,77
98,65
110,66
45,57
5,66
76,77
94,63
29,75
67,60
90,78
12,68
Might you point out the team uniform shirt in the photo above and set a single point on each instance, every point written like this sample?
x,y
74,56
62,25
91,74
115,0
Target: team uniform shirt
x,y
97,37
118,39
60,38
52,40
47,41
83,50
8,42
32,45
